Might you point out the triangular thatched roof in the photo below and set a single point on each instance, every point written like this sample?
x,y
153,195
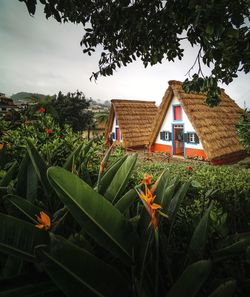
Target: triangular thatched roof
x,y
215,126
135,118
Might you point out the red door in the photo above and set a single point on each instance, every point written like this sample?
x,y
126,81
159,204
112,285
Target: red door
x,y
117,133
178,140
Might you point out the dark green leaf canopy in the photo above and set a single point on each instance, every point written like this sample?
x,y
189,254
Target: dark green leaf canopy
x,y
154,31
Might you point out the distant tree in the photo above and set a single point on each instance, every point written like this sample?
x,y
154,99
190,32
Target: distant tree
x,y
72,109
107,103
46,102
154,30
243,129
101,118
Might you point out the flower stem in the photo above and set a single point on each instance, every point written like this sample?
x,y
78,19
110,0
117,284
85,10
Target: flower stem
x,y
156,233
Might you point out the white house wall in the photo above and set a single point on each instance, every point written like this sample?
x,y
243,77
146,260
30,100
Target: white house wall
x,y
169,121
114,126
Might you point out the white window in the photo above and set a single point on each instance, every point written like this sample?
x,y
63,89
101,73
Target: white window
x,y
191,137
165,135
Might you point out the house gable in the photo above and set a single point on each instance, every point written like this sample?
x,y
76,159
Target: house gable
x,y
174,119
135,119
215,126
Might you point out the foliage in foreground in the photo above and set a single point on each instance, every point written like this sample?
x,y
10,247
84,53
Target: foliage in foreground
x,y
53,142
109,240
243,129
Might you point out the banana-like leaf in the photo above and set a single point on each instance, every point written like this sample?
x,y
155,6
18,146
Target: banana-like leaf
x,y
88,145
236,248
28,288
162,184
11,268
97,216
27,181
175,204
9,175
22,208
40,167
225,290
199,237
168,193
126,200
109,175
78,273
120,180
19,238
177,199
103,166
70,160
84,174
191,280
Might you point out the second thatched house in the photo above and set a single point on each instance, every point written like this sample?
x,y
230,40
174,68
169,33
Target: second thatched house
x,y
186,126
130,122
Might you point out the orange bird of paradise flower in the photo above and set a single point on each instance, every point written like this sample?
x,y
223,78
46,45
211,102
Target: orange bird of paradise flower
x,y
148,198
44,221
41,110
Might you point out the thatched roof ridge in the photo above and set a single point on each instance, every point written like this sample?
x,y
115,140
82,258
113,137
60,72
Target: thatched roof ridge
x,y
135,118
214,126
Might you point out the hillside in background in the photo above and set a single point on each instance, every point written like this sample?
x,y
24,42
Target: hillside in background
x,y
26,96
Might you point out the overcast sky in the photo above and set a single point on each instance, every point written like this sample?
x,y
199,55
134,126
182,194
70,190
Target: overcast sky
x,y
43,56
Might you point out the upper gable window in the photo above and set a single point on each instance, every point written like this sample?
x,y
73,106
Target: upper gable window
x,y
177,113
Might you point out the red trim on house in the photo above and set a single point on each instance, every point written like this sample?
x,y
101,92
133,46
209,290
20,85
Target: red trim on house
x,y
156,147
191,152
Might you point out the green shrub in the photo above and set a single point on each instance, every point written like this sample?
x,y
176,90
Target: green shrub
x,y
52,142
73,237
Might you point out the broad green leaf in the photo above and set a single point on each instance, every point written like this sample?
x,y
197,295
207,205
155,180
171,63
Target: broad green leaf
x,y
120,180
175,204
31,287
109,175
19,238
177,199
163,182
102,167
236,248
88,145
97,216
168,193
225,290
191,280
26,209
199,237
70,160
84,174
11,268
126,200
40,167
9,175
76,271
27,181
248,255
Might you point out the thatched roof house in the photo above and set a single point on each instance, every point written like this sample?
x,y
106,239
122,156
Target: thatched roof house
x,y
187,126
130,121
